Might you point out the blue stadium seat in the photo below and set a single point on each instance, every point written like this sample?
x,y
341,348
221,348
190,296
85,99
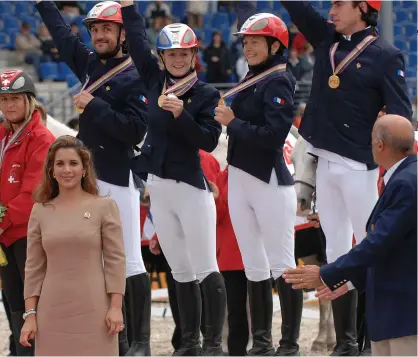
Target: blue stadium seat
x,y
199,33
30,20
413,45
401,16
402,45
225,35
63,71
408,4
22,7
48,70
220,20
178,9
4,40
413,60
11,22
207,20
398,30
232,17
410,29
5,7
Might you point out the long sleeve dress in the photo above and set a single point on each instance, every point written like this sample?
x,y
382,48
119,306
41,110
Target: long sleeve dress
x,y
75,260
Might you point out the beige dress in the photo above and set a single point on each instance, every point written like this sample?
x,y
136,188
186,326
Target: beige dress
x,y
75,259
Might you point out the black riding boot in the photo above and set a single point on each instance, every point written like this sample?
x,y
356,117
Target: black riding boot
x,y
138,310
190,309
17,324
291,305
214,296
261,310
344,309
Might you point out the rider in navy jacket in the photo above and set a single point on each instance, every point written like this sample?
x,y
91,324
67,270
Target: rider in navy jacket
x,y
184,214
115,120
341,120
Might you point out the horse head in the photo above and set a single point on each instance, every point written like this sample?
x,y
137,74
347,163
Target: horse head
x,y
305,176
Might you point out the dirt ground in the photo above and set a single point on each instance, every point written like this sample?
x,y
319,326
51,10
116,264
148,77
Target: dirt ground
x,y
162,328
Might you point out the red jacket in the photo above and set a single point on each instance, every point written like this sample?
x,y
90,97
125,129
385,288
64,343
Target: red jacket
x,y
227,250
21,172
210,165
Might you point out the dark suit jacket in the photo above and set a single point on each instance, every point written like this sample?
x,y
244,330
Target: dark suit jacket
x,y
384,264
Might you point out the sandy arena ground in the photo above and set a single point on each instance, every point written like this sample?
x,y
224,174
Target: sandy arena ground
x,y
162,328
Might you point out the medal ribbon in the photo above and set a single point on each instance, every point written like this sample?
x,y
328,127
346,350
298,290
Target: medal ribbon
x,y
5,146
351,56
182,86
109,75
249,81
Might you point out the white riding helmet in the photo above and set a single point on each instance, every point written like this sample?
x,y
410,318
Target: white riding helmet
x,y
176,36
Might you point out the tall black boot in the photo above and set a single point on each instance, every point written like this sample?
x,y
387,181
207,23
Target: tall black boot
x,y
291,305
261,310
190,308
17,324
123,335
138,311
214,296
345,315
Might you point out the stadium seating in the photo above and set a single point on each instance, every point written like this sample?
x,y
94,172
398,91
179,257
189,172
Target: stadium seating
x,y
13,13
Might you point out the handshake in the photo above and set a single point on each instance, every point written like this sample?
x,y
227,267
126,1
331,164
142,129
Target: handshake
x,y
309,277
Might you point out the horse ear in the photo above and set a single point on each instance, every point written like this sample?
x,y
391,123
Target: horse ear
x,y
294,131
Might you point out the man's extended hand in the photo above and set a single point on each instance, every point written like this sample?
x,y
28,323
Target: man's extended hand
x,y
306,277
324,292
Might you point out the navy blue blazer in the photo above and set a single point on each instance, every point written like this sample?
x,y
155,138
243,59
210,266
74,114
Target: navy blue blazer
x,y
263,118
171,148
341,120
384,264
114,122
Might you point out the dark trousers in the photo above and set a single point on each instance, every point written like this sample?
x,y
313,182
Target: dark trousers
x,y
238,330
13,274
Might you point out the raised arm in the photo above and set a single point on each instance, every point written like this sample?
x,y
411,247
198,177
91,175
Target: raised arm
x,y
278,109
201,131
245,9
131,125
113,248
139,47
312,25
74,53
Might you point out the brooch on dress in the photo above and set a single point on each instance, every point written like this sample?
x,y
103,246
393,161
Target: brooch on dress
x,y
87,215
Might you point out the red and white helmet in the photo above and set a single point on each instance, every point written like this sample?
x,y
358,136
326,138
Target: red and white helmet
x,y
15,81
176,36
375,5
108,11
265,24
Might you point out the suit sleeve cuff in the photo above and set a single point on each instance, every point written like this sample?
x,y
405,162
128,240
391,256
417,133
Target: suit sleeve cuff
x,y
234,126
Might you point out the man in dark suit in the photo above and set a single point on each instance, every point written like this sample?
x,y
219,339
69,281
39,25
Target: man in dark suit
x,y
384,264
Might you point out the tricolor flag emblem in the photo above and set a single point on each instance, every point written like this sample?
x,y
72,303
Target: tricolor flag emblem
x,y
401,73
143,99
279,100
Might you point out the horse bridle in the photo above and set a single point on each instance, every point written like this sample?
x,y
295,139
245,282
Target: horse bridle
x,y
313,193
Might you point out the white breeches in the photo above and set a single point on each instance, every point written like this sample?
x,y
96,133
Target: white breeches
x,y
345,200
185,221
127,199
263,216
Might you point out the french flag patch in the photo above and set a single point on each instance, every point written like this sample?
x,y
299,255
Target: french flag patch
x,y
279,100
401,73
143,99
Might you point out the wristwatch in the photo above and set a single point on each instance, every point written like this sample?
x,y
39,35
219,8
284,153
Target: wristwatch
x,y
29,312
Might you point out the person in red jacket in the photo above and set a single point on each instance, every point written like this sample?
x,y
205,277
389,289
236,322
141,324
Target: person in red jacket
x,y
24,146
232,269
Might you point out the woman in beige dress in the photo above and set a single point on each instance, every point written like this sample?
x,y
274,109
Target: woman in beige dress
x,y
75,268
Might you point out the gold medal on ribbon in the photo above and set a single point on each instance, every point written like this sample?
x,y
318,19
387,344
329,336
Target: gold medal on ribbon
x,y
334,81
221,102
172,96
79,110
161,100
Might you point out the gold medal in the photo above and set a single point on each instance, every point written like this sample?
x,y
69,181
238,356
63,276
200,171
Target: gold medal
x,y
79,110
172,96
161,99
334,81
221,102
